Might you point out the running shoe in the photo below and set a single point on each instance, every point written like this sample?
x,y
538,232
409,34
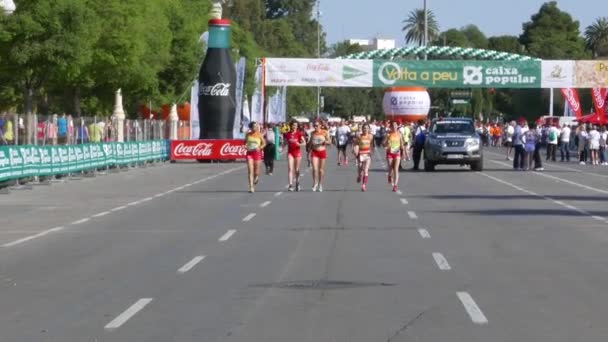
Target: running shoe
x,y
358,179
290,188
320,188
256,180
298,188
251,190
314,188
394,188
363,188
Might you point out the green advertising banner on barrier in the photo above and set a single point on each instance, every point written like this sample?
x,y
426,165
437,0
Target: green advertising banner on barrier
x,y
27,160
457,74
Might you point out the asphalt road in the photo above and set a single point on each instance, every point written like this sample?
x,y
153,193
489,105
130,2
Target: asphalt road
x,y
182,253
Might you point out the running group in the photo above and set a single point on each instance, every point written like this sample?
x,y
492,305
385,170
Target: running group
x,y
363,140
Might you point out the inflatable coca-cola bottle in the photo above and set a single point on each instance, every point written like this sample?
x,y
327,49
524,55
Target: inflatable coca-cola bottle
x,y
217,80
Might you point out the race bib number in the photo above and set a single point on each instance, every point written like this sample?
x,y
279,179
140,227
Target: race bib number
x,y
364,157
395,147
252,146
342,140
318,141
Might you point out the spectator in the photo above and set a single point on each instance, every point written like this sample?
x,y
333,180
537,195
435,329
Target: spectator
x,y
95,132
603,144
8,135
564,146
518,144
62,130
594,145
582,144
552,139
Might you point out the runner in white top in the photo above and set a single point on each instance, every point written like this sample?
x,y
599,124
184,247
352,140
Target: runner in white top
x,y
342,136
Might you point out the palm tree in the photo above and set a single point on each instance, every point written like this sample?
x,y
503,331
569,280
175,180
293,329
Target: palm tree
x,y
596,37
414,27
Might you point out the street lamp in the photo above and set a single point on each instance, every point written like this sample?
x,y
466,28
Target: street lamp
x,y
318,54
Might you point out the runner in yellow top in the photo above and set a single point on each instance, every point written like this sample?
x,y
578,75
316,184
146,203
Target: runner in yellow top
x,y
318,143
363,147
393,142
254,143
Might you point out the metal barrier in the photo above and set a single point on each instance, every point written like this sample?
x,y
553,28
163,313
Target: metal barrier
x,y
30,131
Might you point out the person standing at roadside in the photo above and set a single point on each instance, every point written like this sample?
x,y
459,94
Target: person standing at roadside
x,y
518,145
564,140
419,139
553,134
594,145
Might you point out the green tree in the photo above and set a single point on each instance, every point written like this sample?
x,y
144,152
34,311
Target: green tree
x,y
553,34
596,37
414,27
475,37
505,44
452,37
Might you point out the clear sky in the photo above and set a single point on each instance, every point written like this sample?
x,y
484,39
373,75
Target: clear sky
x,y
364,19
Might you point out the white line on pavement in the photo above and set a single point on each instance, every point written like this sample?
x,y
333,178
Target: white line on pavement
x,y
132,203
424,233
81,221
567,206
249,217
582,186
101,214
130,312
399,192
404,201
119,208
559,167
227,236
32,237
147,199
265,204
412,215
441,261
278,194
473,310
190,265
159,195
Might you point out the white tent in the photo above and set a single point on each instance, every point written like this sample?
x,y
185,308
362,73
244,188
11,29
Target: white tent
x,y
8,6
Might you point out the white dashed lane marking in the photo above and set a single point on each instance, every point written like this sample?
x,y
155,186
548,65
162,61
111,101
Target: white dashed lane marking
x,y
249,217
32,237
265,204
404,201
190,265
441,261
227,236
278,194
473,310
412,215
424,233
128,314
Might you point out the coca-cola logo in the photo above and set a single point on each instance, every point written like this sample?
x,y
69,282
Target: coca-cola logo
x,y
220,89
198,150
572,100
599,98
233,150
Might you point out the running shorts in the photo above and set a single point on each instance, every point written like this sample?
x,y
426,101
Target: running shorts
x,y
319,154
254,155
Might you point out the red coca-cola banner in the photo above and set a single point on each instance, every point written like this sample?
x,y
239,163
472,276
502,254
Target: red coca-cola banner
x,y
599,100
571,96
208,150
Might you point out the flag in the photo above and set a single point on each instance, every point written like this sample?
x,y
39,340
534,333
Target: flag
x,y
246,113
599,100
257,100
194,119
571,97
240,83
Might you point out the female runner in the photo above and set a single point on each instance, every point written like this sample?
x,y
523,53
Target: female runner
x,y
362,147
254,143
319,141
294,139
393,142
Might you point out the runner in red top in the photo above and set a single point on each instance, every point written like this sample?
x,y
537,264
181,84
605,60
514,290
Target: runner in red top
x,y
294,139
